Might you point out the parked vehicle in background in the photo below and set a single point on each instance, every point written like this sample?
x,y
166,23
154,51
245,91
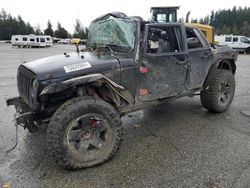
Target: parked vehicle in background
x,y
237,42
55,40
31,40
72,41
75,41
64,41
83,41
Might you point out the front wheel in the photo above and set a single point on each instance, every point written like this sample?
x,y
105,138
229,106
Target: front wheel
x,y
84,132
218,91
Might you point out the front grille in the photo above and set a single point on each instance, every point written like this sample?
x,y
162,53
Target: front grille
x,y
24,83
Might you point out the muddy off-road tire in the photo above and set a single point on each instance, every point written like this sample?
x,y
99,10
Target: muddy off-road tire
x,y
84,132
218,91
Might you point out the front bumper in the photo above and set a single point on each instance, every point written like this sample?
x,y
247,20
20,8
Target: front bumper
x,y
23,116
28,118
13,101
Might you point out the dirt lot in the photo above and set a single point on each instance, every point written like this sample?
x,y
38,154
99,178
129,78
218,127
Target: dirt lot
x,y
177,144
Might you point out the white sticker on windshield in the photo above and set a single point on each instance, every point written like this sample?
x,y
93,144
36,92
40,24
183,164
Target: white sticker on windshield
x,y
76,67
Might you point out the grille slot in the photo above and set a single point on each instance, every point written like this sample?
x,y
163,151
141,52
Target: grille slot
x,y
24,81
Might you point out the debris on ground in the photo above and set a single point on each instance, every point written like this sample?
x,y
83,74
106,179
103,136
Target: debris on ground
x,y
137,126
245,112
7,185
216,184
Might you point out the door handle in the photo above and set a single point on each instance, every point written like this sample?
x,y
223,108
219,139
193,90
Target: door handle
x,y
181,62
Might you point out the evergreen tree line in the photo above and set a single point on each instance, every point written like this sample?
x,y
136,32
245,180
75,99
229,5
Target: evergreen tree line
x,y
10,25
231,21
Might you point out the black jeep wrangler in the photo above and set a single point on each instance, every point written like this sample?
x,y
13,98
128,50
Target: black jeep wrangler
x,y
128,64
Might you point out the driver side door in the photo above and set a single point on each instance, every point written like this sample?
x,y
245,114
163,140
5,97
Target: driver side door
x,y
164,61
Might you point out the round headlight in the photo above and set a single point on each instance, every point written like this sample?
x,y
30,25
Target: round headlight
x,y
35,85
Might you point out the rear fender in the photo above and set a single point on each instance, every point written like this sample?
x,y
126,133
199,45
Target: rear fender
x,y
226,64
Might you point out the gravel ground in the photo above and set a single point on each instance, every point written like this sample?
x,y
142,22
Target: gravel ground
x,y
177,144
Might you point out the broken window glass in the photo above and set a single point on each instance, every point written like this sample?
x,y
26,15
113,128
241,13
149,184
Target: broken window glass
x,y
112,31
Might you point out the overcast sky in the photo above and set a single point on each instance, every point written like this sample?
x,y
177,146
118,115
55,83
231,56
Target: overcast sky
x,y
38,12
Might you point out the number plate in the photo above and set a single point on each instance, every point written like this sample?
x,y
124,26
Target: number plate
x,y
76,67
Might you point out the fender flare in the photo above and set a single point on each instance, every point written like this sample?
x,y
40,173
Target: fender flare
x,y
60,86
229,62
217,65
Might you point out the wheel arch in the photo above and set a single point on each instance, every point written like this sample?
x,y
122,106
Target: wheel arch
x,y
220,64
96,85
226,64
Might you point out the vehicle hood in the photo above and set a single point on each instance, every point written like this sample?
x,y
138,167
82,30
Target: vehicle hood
x,y
72,64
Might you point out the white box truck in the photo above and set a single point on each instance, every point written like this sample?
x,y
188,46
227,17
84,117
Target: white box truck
x,y
237,42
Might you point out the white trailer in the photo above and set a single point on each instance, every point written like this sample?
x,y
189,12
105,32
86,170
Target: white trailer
x,y
237,42
31,40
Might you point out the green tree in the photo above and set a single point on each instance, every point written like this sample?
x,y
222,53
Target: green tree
x,y
37,30
30,29
212,19
245,29
49,30
3,15
11,26
80,30
61,32
22,26
86,32
233,21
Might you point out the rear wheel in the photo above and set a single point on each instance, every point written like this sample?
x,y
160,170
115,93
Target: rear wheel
x,y
248,51
84,132
218,91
